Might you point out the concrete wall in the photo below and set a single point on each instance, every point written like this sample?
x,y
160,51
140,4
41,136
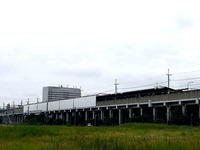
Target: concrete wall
x,y
85,102
67,104
53,105
166,97
62,104
42,107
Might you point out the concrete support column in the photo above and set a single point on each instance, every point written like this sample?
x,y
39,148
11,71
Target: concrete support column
x,y
67,117
61,116
56,115
183,110
168,114
19,119
86,116
130,113
120,116
70,117
141,111
75,117
102,115
110,113
51,115
93,115
154,114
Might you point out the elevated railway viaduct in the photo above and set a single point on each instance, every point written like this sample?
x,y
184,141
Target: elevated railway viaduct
x,y
158,104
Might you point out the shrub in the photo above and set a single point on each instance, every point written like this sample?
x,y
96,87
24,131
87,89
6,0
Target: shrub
x,y
142,119
58,122
110,122
34,119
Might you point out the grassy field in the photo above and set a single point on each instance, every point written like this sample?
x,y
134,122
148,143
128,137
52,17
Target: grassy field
x,y
127,136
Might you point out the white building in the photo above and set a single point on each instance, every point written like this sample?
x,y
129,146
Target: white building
x,y
52,93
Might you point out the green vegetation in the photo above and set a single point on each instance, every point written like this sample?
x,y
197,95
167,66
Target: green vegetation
x,y
127,136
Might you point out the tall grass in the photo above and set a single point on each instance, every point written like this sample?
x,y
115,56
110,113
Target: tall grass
x,y
127,136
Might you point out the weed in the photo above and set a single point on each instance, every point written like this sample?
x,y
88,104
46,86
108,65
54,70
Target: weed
x,y
128,136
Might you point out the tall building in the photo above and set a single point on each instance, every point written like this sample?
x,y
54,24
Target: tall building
x,y
52,93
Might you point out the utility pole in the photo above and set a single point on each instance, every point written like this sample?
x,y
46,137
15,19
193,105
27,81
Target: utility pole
x,y
168,76
116,84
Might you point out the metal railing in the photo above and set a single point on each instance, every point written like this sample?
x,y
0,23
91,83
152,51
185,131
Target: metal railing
x,y
154,98
18,109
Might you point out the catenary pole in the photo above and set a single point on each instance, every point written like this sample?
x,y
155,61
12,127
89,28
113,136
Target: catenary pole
x,y
168,78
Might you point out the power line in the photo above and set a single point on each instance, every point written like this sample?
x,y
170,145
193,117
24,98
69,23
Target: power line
x,y
187,72
130,82
175,83
187,79
138,81
143,86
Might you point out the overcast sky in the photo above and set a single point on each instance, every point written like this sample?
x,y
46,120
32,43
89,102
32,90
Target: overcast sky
x,y
91,43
